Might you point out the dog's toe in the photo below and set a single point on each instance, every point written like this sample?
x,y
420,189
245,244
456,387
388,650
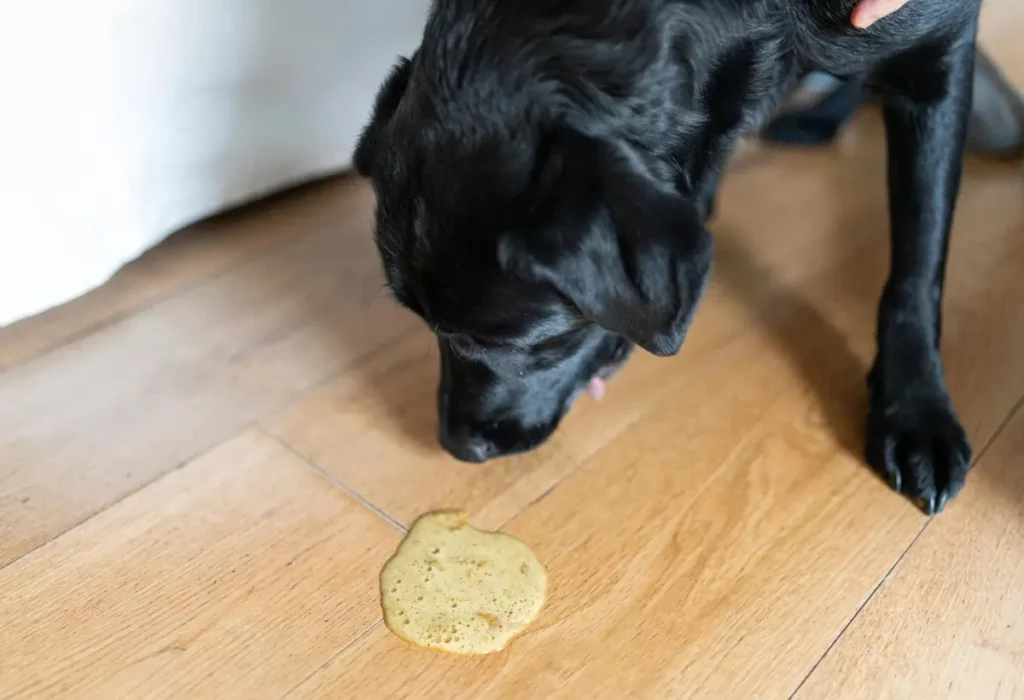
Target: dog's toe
x,y
921,450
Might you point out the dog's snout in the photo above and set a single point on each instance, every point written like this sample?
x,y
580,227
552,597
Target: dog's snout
x,y
468,448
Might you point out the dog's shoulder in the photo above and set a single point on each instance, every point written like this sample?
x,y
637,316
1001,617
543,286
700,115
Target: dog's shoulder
x,y
821,34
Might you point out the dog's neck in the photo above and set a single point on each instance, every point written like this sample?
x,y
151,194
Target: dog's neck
x,y
675,80
652,74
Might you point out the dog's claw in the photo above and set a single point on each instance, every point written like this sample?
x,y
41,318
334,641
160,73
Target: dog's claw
x,y
895,480
927,505
921,450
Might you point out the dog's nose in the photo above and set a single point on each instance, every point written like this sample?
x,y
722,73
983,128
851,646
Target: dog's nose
x,y
469,448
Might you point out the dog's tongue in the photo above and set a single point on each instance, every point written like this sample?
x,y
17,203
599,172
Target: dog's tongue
x,y
596,388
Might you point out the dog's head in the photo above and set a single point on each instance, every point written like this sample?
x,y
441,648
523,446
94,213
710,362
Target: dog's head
x,y
537,253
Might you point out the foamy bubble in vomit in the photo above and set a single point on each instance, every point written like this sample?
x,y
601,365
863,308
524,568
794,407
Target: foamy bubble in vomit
x,y
475,590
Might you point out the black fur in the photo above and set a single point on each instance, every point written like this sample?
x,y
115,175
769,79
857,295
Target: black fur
x,y
543,170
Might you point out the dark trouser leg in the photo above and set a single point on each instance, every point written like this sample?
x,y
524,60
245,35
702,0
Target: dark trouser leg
x,y
914,438
819,123
996,126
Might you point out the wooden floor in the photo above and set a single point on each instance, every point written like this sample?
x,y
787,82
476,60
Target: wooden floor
x,y
204,465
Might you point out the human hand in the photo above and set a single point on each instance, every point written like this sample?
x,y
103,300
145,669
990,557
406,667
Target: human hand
x,y
867,12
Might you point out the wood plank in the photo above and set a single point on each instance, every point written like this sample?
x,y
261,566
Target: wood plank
x,y
233,577
1000,33
716,539
383,414
184,259
374,430
678,551
949,622
97,418
718,546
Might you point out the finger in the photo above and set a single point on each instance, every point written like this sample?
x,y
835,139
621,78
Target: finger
x,y
867,12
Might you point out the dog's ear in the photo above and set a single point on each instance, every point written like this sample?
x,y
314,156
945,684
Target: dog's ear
x,y
388,97
630,253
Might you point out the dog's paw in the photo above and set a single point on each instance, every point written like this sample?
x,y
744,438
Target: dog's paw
x,y
920,448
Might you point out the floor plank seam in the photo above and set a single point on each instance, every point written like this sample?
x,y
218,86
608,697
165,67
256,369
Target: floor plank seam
x,y
332,377
860,608
1011,414
124,497
117,318
120,317
256,423
369,630
333,480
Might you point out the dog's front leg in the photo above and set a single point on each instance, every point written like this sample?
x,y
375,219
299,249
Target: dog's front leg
x,y
914,438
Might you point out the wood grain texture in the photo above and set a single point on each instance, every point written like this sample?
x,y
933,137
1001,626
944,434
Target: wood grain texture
x,y
949,622
680,551
718,545
234,577
709,528
101,416
374,431
383,413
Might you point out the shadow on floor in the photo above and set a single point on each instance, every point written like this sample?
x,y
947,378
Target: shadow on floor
x,y
817,348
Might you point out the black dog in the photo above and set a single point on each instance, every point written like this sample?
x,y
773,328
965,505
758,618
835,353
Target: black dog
x,y
544,169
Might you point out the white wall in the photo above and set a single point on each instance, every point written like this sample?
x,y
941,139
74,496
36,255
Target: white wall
x,y
126,120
